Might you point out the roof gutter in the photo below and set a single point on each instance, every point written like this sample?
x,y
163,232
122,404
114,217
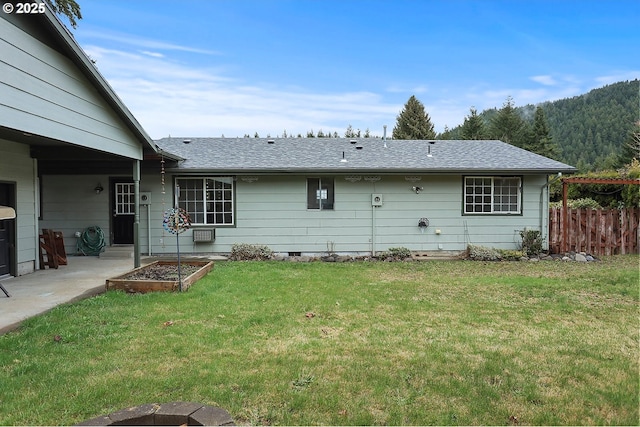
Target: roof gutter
x,y
440,171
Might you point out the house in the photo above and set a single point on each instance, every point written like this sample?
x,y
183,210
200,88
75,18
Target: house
x,y
73,157
356,196
59,116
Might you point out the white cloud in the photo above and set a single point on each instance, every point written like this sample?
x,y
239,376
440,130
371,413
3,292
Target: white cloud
x,y
172,99
618,77
131,40
545,80
153,54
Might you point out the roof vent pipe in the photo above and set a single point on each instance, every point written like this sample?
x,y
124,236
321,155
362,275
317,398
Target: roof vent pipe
x,y
186,141
270,141
429,148
384,135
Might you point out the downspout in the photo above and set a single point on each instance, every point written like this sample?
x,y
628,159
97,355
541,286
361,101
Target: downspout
x,y
373,230
149,226
36,216
136,207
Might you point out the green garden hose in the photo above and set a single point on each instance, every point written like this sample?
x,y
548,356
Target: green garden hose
x,y
91,241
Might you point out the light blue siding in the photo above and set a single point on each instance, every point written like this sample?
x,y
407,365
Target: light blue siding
x,y
70,204
17,167
272,211
43,93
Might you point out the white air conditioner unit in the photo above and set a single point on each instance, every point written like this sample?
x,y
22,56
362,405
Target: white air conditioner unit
x,y
204,234
145,197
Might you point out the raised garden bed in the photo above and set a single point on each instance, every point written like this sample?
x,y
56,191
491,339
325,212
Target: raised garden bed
x,y
160,276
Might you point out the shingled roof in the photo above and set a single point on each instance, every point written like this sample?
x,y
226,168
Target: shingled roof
x,y
364,155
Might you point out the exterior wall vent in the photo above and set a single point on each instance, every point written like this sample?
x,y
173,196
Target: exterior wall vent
x,y
204,235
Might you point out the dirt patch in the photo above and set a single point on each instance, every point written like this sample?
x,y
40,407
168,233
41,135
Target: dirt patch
x,y
162,272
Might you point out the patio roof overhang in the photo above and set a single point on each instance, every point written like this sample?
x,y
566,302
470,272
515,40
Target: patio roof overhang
x,y
60,157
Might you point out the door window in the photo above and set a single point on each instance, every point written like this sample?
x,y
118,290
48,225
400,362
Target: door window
x,y
124,198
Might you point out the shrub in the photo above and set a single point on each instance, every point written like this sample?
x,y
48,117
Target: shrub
x,y
532,241
510,254
630,193
249,252
578,204
396,254
483,253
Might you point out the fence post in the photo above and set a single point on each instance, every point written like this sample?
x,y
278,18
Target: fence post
x,y
565,223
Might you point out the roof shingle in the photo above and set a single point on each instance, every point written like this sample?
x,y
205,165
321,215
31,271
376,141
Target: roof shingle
x,y
364,155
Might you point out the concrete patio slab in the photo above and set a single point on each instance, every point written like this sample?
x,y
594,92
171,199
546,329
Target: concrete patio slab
x,y
39,292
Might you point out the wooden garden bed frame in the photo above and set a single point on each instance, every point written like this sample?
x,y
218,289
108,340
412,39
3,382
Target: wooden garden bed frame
x,y
123,283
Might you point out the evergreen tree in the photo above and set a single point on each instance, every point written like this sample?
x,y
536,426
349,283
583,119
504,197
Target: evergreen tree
x,y
541,141
413,122
349,133
631,148
473,126
68,8
507,125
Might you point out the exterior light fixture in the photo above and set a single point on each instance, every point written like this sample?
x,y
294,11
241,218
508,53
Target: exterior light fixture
x,y
99,189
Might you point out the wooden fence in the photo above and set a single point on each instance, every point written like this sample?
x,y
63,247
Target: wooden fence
x,y
596,231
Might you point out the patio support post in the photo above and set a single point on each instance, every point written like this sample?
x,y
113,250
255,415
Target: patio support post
x,y
136,219
565,216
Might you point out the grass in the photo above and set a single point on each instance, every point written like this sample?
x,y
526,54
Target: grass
x,y
358,343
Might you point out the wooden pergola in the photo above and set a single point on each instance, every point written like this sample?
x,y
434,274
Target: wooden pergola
x,y
584,180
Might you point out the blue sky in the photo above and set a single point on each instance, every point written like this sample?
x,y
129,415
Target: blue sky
x,y
235,67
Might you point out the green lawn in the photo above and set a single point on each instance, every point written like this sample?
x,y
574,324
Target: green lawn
x,y
278,343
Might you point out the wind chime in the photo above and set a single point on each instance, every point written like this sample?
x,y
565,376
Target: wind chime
x,y
176,221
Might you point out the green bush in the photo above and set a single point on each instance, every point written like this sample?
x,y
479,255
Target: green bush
x,y
630,193
483,253
396,254
532,241
510,254
583,203
249,252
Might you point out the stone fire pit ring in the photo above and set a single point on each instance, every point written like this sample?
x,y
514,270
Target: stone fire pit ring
x,y
165,414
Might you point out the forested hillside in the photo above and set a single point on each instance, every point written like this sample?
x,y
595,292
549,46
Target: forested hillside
x,y
589,129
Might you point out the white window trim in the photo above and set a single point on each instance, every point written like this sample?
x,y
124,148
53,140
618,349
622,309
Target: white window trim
x,y
124,198
518,210
181,203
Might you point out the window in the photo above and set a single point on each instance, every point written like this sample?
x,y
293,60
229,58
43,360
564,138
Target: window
x,y
492,195
125,198
208,200
320,193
